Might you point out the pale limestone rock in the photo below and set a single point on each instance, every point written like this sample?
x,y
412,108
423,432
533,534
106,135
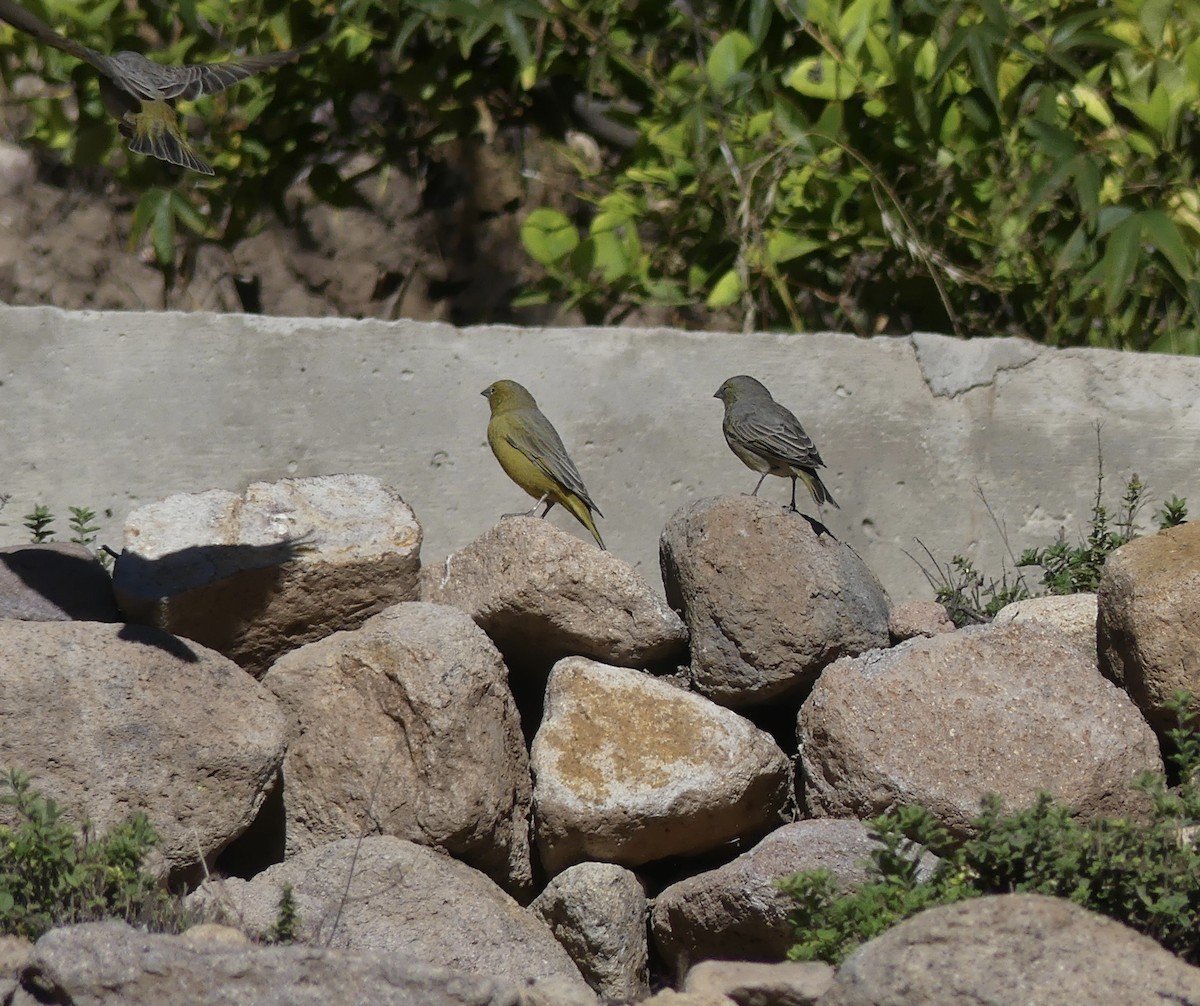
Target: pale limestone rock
x,y
629,769
258,574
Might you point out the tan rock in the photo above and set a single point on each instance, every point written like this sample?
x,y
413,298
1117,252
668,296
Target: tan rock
x,y
788,983
1013,948
1148,627
737,911
387,894
112,964
1072,614
918,618
285,563
1012,710
55,582
542,594
405,726
597,911
629,769
768,601
110,719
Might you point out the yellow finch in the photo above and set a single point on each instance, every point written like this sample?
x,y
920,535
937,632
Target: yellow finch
x,y
141,94
768,438
531,453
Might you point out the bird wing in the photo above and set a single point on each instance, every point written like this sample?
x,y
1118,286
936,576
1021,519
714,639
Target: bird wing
x,y
772,432
31,24
192,81
541,444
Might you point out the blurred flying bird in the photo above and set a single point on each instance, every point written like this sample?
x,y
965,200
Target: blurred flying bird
x,y
141,94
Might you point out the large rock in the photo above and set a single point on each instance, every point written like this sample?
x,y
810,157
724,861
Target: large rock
x,y
629,769
112,964
1148,627
405,726
1072,614
768,601
597,911
283,564
55,582
1018,949
111,719
941,722
387,894
737,911
542,594
789,983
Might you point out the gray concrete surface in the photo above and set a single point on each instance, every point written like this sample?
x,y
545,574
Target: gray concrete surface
x,y
111,410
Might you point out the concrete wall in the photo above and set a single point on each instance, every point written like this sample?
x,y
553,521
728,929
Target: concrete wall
x,y
111,410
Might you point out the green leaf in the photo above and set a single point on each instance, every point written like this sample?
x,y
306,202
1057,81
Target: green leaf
x,y
783,246
728,57
1153,19
1162,231
726,291
548,236
822,77
1121,254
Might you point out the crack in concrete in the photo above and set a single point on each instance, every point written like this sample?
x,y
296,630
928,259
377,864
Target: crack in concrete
x,y
952,366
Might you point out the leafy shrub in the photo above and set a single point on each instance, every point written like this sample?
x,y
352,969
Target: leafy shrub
x,y
50,875
1145,874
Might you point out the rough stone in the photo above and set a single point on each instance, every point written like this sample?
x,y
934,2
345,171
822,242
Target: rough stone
x,y
256,574
111,719
542,594
1022,949
405,726
55,582
737,912
597,911
629,769
1011,710
387,894
1148,626
747,983
768,601
1072,614
918,618
112,964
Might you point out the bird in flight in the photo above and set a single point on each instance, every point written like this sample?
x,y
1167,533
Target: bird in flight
x,y
140,94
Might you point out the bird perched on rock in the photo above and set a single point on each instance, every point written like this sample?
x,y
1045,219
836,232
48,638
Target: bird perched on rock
x,y
141,94
531,453
768,438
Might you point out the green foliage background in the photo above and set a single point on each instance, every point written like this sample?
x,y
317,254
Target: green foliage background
x,y
982,167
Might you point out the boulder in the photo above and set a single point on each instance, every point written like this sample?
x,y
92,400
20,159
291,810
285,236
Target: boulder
x,y
110,719
918,618
790,983
281,565
597,911
942,722
112,964
1148,623
390,895
1072,614
737,911
542,594
629,769
767,599
55,582
405,726
1024,949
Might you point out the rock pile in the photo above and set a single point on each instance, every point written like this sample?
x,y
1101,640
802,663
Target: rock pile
x,y
520,777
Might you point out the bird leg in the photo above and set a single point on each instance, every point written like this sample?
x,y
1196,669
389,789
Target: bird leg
x,y
763,479
793,506
533,509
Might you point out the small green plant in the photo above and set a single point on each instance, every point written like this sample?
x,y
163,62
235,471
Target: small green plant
x,y
83,531
51,875
38,522
1144,873
286,927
